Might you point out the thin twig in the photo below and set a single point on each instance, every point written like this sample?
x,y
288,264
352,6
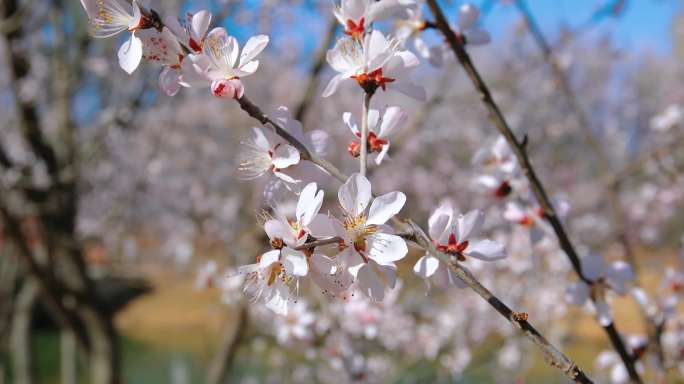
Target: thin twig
x,y
518,149
363,156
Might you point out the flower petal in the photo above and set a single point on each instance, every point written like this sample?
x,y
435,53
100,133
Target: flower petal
x,y
355,194
284,156
486,250
294,262
200,24
577,293
130,54
593,266
385,248
309,204
253,47
469,225
370,283
384,207
426,266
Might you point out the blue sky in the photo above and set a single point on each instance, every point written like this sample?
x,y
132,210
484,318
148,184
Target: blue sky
x,y
644,24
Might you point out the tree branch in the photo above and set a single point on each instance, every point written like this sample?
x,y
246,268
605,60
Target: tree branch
x,y
518,149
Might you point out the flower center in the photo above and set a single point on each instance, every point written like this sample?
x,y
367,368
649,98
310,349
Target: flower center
x,y
355,30
370,82
453,247
276,270
503,190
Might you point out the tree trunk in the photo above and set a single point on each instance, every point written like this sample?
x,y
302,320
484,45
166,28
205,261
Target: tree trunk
x,y
20,338
223,360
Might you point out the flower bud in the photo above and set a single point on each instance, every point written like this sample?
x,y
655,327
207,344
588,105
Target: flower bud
x,y
228,88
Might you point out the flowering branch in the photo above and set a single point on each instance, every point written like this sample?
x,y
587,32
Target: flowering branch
x,y
553,356
520,152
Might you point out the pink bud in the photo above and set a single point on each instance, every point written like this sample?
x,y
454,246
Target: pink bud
x,y
228,88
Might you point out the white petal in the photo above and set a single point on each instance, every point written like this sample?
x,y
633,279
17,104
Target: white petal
x,y
618,274
253,47
355,194
577,293
486,250
169,81
200,24
409,89
322,264
370,283
284,156
276,229
468,225
130,54
393,118
269,258
385,248
384,207
426,266
321,226
277,302
603,312
294,262
593,266
439,221
309,204
332,86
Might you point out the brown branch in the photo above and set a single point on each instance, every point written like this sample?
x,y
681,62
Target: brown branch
x,y
518,149
224,359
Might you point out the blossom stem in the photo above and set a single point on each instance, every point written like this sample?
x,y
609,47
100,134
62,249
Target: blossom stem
x,y
519,149
363,158
414,233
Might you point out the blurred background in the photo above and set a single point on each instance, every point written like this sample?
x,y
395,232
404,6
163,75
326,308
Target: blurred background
x,y
120,209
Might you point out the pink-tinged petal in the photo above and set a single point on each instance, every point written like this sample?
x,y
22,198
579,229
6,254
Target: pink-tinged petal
x,y
384,207
247,69
469,225
355,194
130,54
354,9
332,86
321,226
200,24
370,283
294,262
618,274
169,81
137,16
227,89
603,312
577,293
252,48
486,250
285,155
426,266
193,71
310,201
477,36
260,139
593,266
385,8
392,120
278,298
276,229
385,248
268,258
174,25
468,15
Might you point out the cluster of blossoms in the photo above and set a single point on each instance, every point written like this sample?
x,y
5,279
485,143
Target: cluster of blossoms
x,y
356,250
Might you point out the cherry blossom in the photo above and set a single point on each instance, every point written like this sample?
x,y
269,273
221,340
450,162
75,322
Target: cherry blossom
x,y
221,65
368,248
295,232
357,15
296,325
375,62
614,277
455,235
380,129
192,30
207,275
269,278
111,17
411,28
163,48
265,152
